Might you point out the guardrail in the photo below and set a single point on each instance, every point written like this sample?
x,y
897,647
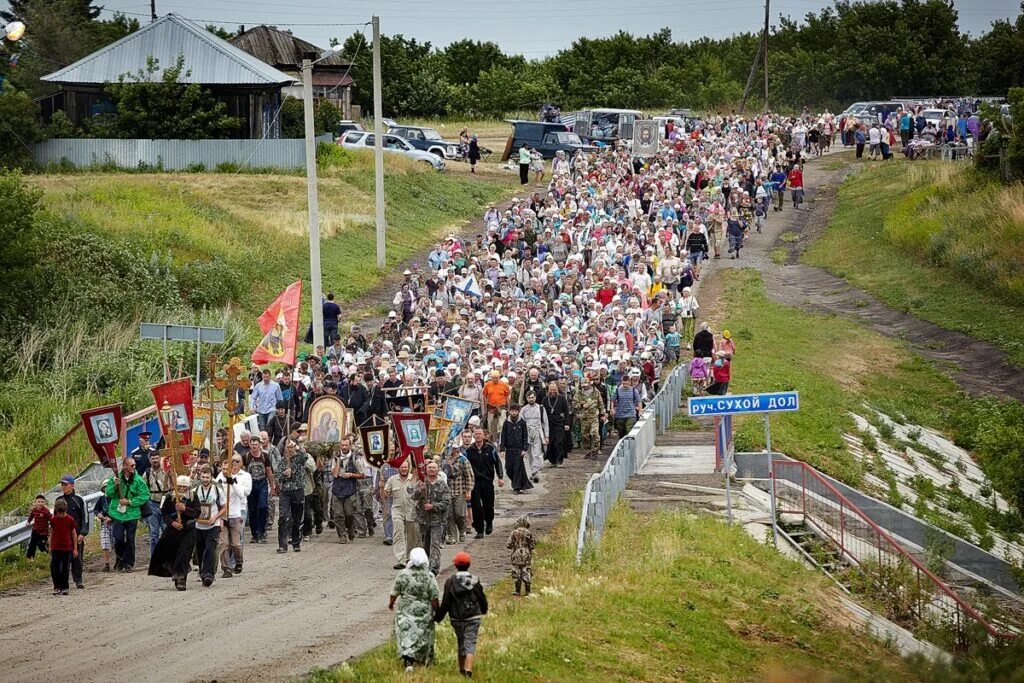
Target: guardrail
x,y
627,458
913,590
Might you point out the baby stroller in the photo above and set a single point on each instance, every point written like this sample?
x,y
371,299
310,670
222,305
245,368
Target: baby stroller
x,y
700,376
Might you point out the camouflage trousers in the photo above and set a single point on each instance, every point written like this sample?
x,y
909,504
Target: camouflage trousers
x,y
590,428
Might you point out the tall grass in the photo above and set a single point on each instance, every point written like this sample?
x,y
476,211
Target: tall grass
x,y
667,597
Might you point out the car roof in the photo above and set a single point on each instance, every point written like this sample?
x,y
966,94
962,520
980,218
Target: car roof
x,y
614,111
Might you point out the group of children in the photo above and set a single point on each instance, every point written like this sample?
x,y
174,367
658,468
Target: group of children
x,y
57,534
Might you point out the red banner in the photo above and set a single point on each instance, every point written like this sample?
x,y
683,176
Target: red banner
x,y
280,327
411,432
103,429
177,394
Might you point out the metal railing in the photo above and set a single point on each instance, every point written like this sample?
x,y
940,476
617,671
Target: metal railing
x,y
628,457
911,591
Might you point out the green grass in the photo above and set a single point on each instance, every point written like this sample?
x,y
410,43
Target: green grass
x,y
665,597
256,224
836,366
935,240
840,367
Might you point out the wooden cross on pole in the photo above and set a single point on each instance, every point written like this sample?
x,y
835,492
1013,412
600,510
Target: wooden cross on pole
x,y
172,451
230,385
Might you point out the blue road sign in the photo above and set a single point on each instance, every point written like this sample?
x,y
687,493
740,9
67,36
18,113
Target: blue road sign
x,y
738,404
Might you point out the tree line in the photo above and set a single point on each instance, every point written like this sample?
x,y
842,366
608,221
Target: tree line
x,y
828,59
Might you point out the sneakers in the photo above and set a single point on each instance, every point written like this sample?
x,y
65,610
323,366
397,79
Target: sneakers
x,y
462,537
79,585
478,535
297,549
281,551
226,574
319,529
106,567
208,581
388,541
238,568
399,565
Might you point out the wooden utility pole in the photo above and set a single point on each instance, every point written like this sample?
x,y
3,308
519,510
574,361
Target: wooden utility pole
x,y
152,10
767,4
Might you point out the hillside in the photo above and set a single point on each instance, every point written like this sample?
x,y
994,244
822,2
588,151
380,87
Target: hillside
x,y
937,240
99,252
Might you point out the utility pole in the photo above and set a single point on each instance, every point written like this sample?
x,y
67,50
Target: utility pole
x,y
152,10
378,145
311,196
767,4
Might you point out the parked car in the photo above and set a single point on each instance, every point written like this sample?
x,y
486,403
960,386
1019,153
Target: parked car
x,y
357,139
547,138
346,126
426,139
935,116
868,112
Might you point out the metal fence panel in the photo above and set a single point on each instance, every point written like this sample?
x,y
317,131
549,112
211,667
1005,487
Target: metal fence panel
x,y
173,155
627,458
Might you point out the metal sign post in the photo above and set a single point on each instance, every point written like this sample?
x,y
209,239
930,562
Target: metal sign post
x,y
741,404
165,333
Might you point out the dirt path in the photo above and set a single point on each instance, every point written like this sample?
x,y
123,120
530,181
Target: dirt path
x,y
811,288
285,615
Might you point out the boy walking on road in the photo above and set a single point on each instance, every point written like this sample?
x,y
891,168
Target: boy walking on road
x,y
465,604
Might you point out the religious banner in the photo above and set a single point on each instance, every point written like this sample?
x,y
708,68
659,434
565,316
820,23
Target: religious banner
x,y
280,327
329,420
458,411
103,429
376,440
177,394
411,433
645,138
440,432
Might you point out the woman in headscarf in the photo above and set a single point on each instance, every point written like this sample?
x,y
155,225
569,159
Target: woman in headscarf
x,y
415,591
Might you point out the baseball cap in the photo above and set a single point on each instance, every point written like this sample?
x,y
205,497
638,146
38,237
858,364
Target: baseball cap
x,y
67,479
462,559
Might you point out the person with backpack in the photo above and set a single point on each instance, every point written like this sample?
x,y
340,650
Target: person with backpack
x,y
347,468
464,602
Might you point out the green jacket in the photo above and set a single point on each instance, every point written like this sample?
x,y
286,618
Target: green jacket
x,y
135,491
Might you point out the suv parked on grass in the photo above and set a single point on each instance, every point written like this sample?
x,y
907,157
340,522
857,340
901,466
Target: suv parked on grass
x,y
426,139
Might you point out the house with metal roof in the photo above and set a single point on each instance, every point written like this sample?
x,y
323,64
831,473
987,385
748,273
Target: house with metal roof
x,y
332,80
251,89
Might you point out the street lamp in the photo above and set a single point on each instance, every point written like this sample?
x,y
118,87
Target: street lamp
x,y
14,30
311,196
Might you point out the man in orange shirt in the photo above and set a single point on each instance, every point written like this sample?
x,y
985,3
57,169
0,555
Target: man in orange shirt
x,y
496,396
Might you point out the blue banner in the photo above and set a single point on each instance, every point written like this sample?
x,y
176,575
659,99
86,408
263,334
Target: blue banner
x,y
738,404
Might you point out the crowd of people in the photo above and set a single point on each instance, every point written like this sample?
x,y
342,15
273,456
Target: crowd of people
x,y
557,321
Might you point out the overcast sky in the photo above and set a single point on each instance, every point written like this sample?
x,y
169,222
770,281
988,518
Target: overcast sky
x,y
533,28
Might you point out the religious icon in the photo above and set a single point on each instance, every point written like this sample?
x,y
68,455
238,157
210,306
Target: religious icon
x,y
328,420
179,418
414,434
103,428
273,341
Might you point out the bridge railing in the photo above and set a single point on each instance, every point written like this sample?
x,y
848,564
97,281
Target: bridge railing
x,y
910,590
627,458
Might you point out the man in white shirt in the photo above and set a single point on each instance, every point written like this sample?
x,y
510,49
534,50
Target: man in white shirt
x,y
212,506
403,513
237,487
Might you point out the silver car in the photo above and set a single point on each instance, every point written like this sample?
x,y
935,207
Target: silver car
x,y
360,139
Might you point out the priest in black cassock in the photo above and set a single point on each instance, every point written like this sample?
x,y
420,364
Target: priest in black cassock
x,y
173,553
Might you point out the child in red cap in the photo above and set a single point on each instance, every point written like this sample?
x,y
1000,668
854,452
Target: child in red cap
x,y
465,604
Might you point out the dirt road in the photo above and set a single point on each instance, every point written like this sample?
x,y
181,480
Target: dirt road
x,y
285,615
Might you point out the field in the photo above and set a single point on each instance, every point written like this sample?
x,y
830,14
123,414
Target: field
x,y
937,240
666,597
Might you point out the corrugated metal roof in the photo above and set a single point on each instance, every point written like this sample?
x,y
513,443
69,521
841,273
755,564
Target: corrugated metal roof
x,y
281,48
209,60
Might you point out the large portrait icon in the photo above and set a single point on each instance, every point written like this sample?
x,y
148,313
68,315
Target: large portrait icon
x,y
179,418
328,420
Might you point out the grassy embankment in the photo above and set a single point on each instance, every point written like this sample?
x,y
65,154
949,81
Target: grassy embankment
x,y
937,240
840,367
666,597
231,243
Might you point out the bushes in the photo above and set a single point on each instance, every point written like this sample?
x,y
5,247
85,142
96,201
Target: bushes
x,y
994,431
